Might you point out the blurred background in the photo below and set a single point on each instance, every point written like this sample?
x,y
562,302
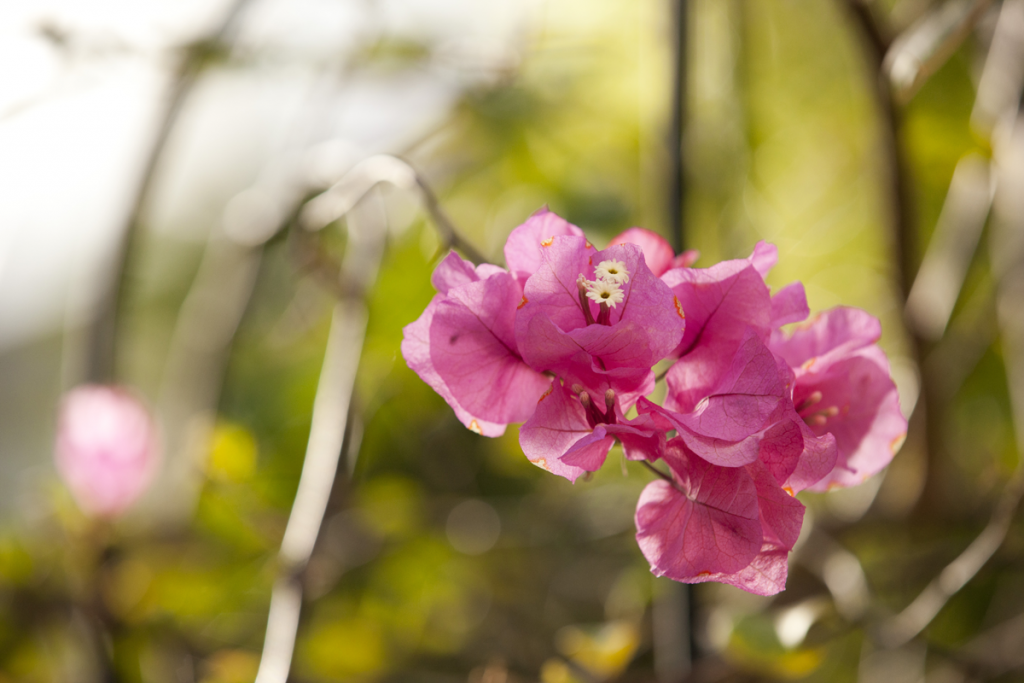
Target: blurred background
x,y
157,163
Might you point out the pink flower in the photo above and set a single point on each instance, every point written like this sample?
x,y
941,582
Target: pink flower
x,y
729,398
597,318
566,339
722,304
842,387
464,347
107,448
657,251
573,429
726,426
734,525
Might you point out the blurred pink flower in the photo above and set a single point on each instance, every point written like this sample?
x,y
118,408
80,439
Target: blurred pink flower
x,y
107,448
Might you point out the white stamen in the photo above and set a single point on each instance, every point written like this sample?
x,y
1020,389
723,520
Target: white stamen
x,y
612,271
605,292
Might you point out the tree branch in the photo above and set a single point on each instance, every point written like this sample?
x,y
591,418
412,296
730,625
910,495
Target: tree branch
x,y
108,321
923,49
383,168
900,629
677,121
326,439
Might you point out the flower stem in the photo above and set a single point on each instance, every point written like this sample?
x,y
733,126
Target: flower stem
x,y
652,468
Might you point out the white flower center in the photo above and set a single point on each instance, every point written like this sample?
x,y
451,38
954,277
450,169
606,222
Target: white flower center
x,y
605,292
612,271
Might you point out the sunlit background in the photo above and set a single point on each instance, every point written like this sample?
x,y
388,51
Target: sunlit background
x,y
155,158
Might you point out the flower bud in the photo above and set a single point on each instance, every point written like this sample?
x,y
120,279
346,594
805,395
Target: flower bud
x,y
107,448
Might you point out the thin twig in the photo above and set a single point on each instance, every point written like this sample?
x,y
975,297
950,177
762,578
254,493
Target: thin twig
x,y
1008,267
326,437
951,248
677,169
938,51
450,236
900,203
926,422
105,328
652,468
384,168
911,621
676,648
877,37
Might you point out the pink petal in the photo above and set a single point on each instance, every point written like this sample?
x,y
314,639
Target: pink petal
x,y
781,514
625,345
765,575
552,289
764,257
719,452
649,302
721,303
621,350
818,458
789,305
473,350
553,335
838,331
629,384
726,426
869,427
746,395
686,259
453,271
416,351
708,526
640,438
781,446
657,251
525,243
590,452
556,425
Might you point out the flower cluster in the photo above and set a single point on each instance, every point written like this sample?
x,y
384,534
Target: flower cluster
x,y
566,339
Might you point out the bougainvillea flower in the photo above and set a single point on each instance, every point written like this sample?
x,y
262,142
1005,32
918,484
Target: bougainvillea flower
x,y
566,340
591,329
107,448
464,347
524,245
721,304
573,429
842,387
734,525
749,417
726,425
657,251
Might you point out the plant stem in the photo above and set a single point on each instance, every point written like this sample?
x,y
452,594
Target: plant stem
x,y
108,323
